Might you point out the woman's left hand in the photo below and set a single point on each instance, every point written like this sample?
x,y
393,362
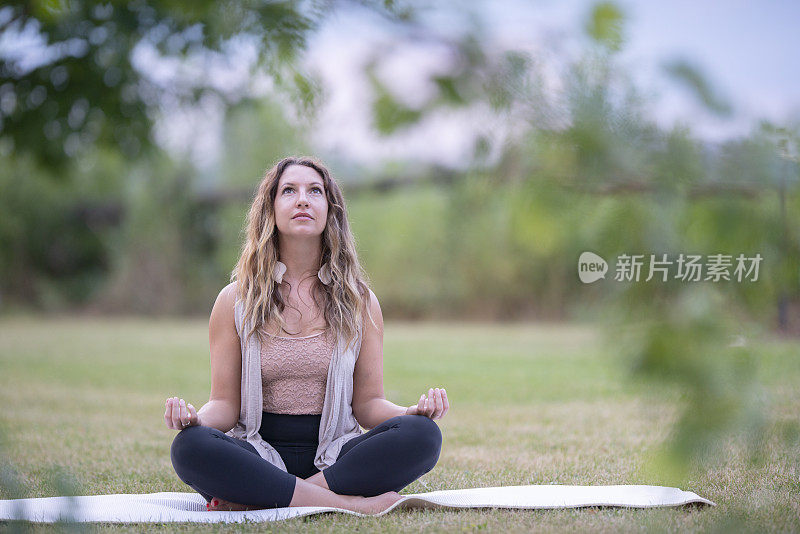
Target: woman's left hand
x,y
435,405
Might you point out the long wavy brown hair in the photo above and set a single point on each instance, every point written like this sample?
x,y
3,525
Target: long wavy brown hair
x,y
344,303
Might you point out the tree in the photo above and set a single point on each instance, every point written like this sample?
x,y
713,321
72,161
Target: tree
x,y
76,75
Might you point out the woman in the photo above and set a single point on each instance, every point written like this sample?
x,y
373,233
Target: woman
x,y
296,366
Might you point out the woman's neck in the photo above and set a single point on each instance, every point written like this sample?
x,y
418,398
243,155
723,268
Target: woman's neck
x,y
301,256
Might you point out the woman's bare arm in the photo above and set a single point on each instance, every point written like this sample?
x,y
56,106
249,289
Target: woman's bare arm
x,y
222,409
370,406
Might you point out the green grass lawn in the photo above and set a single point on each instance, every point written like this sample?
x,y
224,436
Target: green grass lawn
x,y
531,404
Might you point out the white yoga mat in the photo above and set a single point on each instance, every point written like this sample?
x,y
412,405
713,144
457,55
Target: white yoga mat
x,y
191,507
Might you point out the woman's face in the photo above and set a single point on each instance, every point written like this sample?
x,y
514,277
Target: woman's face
x,y
301,207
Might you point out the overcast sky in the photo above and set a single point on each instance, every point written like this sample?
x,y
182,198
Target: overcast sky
x,y
747,50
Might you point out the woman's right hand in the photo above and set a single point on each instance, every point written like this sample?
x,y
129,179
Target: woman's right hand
x,y
179,415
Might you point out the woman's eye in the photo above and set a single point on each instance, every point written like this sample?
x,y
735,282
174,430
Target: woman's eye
x,y
316,189
285,189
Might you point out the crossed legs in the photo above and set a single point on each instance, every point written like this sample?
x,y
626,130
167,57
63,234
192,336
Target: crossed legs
x,y
387,458
380,462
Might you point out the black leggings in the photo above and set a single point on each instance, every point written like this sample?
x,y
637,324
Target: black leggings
x,y
387,458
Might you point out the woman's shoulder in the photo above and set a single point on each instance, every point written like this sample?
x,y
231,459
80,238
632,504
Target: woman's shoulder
x,y
227,295
223,321
226,300
374,305
375,315
229,291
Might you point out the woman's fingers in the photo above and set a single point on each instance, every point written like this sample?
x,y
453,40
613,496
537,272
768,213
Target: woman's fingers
x,y
421,405
435,405
193,418
431,407
176,413
419,409
185,417
168,413
437,399
179,414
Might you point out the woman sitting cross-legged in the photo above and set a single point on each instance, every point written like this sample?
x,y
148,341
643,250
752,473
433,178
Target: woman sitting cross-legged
x,y
296,366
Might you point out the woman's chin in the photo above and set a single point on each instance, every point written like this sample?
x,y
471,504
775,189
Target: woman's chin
x,y
302,233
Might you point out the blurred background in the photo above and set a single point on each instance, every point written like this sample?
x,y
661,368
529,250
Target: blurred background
x,y
481,146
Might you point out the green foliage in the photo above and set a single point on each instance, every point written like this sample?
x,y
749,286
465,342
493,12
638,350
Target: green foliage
x,y
448,89
157,248
80,85
605,25
256,135
613,183
685,339
49,255
499,79
402,241
390,115
692,77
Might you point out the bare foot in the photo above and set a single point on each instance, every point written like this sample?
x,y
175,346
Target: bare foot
x,y
377,504
219,505
363,505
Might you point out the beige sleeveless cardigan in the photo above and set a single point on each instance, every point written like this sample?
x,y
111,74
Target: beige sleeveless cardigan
x,y
338,425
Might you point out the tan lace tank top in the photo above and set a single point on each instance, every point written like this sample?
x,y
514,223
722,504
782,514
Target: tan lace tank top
x,y
294,372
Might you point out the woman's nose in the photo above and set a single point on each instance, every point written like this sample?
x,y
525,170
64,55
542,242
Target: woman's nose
x,y
301,199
